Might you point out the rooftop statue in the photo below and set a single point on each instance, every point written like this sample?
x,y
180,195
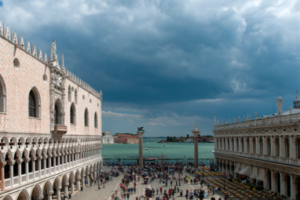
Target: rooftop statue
x,y
53,51
140,129
195,125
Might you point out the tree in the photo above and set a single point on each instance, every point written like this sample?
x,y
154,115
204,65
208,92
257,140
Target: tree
x,y
187,136
198,134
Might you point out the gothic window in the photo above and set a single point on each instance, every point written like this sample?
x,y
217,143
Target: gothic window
x,y
2,95
96,120
287,148
254,145
57,112
69,93
73,114
34,103
86,117
75,96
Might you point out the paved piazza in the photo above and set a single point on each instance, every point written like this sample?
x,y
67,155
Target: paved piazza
x,y
92,193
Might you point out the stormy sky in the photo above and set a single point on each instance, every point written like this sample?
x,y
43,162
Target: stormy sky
x,y
166,64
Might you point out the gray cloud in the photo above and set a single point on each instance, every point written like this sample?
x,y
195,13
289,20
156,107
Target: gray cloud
x,y
168,58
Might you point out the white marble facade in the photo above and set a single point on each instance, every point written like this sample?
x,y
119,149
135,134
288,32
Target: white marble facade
x,y
266,150
107,138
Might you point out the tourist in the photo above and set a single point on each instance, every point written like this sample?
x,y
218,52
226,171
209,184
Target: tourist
x,y
127,196
99,186
160,190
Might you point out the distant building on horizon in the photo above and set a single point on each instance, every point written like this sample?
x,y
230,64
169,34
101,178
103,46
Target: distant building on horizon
x,y
126,139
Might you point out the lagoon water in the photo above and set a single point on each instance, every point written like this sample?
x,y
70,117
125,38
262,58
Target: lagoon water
x,y
172,150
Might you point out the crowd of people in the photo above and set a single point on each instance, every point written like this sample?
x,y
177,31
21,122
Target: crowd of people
x,y
171,177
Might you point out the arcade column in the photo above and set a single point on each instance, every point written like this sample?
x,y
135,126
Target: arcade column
x,y
140,133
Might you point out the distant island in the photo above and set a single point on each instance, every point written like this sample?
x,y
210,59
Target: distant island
x,y
188,139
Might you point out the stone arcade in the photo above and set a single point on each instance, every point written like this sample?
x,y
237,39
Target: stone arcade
x,y
50,124
266,149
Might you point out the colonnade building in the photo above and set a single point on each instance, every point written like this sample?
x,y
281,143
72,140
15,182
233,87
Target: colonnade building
x,y
50,124
265,150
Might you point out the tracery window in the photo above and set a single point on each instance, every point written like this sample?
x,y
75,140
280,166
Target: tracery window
x,y
75,96
72,114
86,117
96,120
34,103
57,112
2,95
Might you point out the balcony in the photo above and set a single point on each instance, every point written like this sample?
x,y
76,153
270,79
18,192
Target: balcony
x,y
60,129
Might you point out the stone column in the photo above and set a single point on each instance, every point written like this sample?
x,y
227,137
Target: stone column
x,y
293,188
141,159
273,150
11,171
50,195
2,165
72,188
49,163
235,141
281,148
195,132
251,142
66,190
26,160
39,165
266,181
257,146
33,166
78,184
83,183
19,161
293,147
58,193
265,146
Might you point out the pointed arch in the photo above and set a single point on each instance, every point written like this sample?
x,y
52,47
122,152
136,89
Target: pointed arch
x,y
2,95
86,117
58,112
34,103
75,95
23,195
69,93
73,114
96,120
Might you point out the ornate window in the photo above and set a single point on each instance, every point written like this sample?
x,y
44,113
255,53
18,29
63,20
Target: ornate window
x,y
73,114
69,93
75,96
96,120
2,95
34,104
86,117
57,112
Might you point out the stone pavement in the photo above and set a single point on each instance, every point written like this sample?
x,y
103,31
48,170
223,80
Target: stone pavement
x,y
92,193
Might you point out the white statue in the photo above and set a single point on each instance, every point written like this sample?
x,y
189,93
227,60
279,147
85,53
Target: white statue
x,y
244,118
195,125
290,108
234,120
225,122
249,117
255,115
239,119
53,51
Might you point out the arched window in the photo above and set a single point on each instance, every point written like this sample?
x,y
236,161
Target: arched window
x,y
75,96
34,104
2,95
73,114
96,120
57,112
69,93
86,117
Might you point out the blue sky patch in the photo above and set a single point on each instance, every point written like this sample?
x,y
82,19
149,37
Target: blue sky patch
x,y
1,3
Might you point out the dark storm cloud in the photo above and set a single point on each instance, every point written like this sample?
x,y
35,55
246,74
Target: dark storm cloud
x,y
166,57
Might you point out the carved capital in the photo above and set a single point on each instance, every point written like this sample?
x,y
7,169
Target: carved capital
x,y
2,164
11,162
19,161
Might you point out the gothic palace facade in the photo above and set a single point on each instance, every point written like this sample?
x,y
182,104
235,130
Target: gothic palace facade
x,y
50,124
266,150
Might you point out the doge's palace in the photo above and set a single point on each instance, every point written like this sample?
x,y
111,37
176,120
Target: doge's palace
x,y
50,123
264,150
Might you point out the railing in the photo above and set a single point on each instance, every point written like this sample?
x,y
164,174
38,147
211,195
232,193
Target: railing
x,y
263,157
23,178
15,180
30,176
7,182
45,172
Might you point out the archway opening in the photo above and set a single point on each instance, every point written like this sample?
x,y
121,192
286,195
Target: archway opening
x,y
58,112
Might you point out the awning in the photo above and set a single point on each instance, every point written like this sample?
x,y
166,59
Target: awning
x,y
253,173
237,169
245,171
261,175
